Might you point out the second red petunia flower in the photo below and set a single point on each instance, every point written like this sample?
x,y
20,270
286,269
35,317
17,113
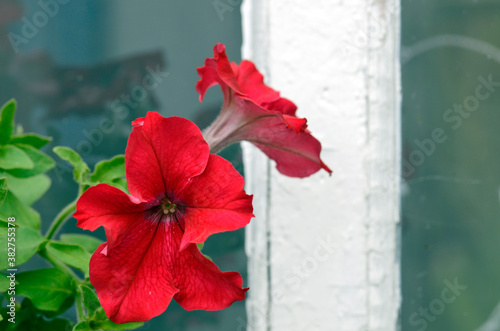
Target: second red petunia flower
x,y
256,113
180,195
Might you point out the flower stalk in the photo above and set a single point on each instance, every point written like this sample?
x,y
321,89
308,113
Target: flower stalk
x,y
60,219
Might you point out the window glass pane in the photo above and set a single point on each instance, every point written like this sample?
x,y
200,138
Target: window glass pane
x,y
450,197
68,63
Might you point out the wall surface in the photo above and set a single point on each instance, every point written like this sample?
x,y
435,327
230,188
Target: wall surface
x,y
323,251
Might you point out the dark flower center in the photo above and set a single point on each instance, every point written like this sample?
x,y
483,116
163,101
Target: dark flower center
x,y
168,207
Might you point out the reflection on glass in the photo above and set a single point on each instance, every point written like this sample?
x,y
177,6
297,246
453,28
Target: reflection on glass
x,y
450,196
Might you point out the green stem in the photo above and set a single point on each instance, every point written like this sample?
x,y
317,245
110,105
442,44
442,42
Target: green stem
x,y
57,264
62,217
79,308
80,315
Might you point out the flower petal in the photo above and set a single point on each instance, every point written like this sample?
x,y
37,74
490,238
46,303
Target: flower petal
x,y
107,206
215,202
298,124
252,84
217,70
203,286
296,153
283,105
134,279
162,154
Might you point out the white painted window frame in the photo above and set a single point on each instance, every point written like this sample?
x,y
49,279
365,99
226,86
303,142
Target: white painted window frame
x,y
323,251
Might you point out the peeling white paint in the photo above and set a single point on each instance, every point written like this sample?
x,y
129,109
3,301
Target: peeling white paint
x,y
323,252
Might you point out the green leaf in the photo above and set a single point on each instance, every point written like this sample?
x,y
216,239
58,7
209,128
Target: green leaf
x,y
12,157
4,282
24,215
26,241
68,303
42,162
106,171
46,288
89,243
7,121
82,326
56,324
23,316
119,183
28,190
3,190
72,255
29,318
102,322
81,169
89,299
31,139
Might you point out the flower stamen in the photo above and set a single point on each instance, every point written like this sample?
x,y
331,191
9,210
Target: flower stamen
x,y
168,207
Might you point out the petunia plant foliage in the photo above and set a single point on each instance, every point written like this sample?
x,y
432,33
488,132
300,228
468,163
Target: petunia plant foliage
x,y
157,203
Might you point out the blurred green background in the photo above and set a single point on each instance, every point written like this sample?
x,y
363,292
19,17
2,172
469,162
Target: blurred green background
x,y
451,187
69,72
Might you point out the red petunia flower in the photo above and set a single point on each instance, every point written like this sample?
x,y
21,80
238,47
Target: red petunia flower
x,y
256,113
180,195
